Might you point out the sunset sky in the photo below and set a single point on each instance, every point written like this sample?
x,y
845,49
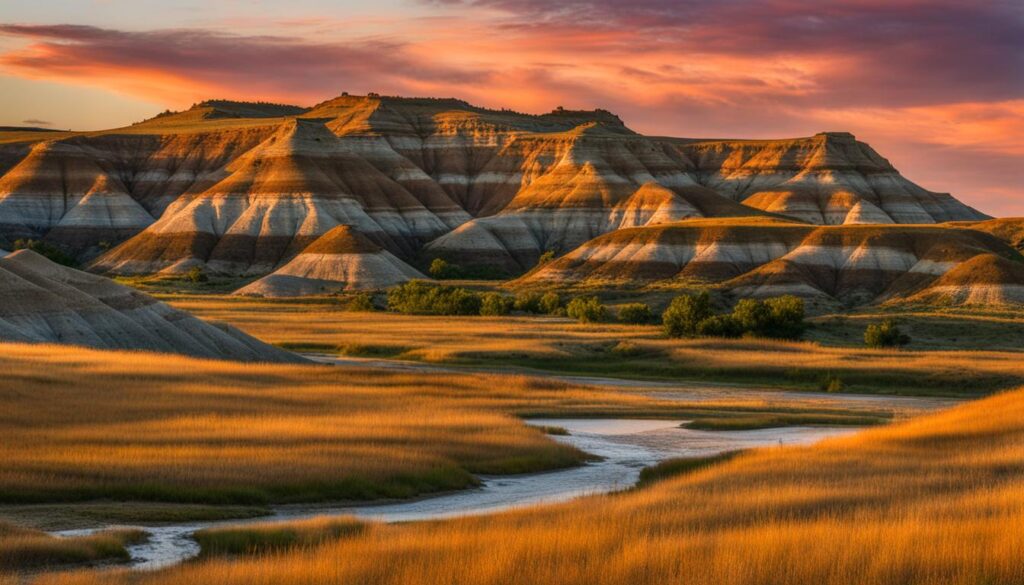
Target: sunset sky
x,y
937,86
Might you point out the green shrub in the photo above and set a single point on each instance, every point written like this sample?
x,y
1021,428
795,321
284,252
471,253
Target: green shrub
x,y
684,314
495,304
546,257
550,303
779,317
527,302
635,313
885,334
831,383
196,274
586,310
49,251
441,269
421,298
362,302
719,326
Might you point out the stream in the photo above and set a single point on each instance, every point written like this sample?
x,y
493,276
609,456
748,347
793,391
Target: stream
x,y
626,446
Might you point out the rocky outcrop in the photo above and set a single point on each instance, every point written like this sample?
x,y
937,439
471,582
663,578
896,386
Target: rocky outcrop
x,y
828,179
986,279
759,258
340,260
241,188
45,302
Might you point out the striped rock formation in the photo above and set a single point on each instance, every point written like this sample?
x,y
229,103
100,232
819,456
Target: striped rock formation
x,y
986,279
850,264
44,302
241,189
340,260
828,179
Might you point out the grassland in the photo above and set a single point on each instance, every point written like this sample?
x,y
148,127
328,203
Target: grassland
x,y
937,499
81,425
552,344
24,548
270,537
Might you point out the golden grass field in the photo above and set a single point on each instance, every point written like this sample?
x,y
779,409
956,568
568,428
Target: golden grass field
x,y
23,548
628,351
82,425
937,499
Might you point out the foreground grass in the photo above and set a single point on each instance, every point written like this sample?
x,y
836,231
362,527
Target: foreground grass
x,y
25,549
80,425
558,345
937,499
255,539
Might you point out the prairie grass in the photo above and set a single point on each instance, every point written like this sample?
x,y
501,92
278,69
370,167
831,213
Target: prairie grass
x,y
22,548
553,344
254,539
936,499
79,425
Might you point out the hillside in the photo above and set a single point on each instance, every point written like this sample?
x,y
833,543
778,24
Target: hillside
x,y
48,303
768,257
241,188
340,260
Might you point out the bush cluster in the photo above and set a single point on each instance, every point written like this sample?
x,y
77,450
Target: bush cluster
x,y
692,315
586,310
635,313
885,334
47,250
549,303
421,298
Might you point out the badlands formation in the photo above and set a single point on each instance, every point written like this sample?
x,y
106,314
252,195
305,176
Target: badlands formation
x,y
44,302
241,190
852,264
341,260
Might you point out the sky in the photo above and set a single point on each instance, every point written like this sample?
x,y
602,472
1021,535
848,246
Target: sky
x,y
936,86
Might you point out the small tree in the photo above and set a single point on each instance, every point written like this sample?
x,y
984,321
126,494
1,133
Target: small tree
x,y
550,303
719,326
787,317
495,304
546,257
362,302
442,269
586,310
527,302
196,274
752,316
684,314
885,334
635,313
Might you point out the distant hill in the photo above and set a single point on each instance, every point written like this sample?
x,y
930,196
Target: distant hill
x,y
241,188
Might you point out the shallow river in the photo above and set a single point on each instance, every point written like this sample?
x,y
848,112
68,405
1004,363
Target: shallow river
x,y
626,445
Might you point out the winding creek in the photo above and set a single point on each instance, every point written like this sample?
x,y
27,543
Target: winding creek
x,y
625,445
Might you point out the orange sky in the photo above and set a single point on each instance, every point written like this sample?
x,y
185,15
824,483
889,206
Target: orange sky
x,y
935,85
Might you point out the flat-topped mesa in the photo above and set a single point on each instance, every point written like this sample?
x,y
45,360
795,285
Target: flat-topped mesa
x,y
211,110
340,260
830,178
847,264
48,303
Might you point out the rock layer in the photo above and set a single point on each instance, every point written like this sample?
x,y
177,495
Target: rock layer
x,y
340,260
986,279
241,189
851,264
48,303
